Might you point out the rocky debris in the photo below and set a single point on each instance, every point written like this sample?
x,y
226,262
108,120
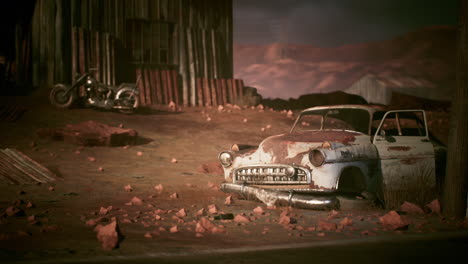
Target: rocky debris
x,y
128,188
139,153
259,210
204,225
241,219
434,206
108,235
245,120
201,212
30,205
392,220
159,188
181,213
174,196
411,208
212,209
213,186
229,200
368,233
171,106
174,229
173,160
51,188
346,222
105,211
91,159
93,222
289,114
220,108
135,201
14,211
213,167
324,225
100,169
90,133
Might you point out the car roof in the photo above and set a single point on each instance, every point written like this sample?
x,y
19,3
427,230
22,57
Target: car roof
x,y
370,108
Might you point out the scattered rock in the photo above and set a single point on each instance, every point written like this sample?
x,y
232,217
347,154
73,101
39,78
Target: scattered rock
x,y
259,210
171,106
148,235
213,167
212,209
159,188
139,153
128,188
181,213
174,229
174,196
411,208
241,219
201,212
108,235
135,201
173,160
346,222
333,214
392,220
220,108
324,225
434,206
229,200
100,169
91,159
290,114
245,120
104,211
321,234
51,188
14,211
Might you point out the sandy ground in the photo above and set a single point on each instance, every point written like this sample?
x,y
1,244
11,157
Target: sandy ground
x,y
61,231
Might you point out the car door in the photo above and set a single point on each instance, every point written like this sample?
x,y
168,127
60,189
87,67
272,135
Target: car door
x,y
405,152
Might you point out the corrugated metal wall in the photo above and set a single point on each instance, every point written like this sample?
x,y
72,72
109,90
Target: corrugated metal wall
x,y
70,36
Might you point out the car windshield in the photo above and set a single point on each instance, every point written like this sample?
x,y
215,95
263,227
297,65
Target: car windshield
x,y
354,119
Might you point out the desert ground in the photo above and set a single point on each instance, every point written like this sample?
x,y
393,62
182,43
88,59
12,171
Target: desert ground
x,y
144,188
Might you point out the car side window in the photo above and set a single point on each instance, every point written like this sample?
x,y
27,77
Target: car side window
x,y
405,123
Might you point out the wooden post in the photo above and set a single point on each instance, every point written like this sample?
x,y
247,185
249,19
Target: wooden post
x,y
200,91
74,45
82,51
140,86
234,91
147,86
175,84
159,90
224,91
230,91
206,88
164,87
219,91
214,94
154,93
191,67
169,86
241,89
98,56
108,59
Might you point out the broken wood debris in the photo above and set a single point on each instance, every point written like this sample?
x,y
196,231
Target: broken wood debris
x,y
17,168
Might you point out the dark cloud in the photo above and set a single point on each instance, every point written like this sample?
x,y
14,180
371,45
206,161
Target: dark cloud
x,y
335,22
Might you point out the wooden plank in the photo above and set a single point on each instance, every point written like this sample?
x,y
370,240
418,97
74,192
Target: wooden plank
x,y
175,84
207,92
98,55
81,50
229,91
74,48
164,87
219,91
224,91
147,83
214,94
215,56
183,65
112,59
191,67
234,91
241,89
154,95
159,91
199,84
140,86
169,86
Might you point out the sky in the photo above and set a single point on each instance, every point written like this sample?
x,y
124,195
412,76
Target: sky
x,y
330,23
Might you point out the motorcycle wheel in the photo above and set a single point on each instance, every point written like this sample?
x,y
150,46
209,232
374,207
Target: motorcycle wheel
x,y
58,97
128,99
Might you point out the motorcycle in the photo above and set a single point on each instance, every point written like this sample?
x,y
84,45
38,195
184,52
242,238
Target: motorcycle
x,y
124,98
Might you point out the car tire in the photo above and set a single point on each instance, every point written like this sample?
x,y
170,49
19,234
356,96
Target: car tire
x,y
360,202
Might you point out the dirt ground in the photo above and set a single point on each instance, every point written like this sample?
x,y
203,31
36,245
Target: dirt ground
x,y
193,137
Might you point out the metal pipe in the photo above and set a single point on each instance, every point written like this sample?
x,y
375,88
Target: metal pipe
x,y
282,198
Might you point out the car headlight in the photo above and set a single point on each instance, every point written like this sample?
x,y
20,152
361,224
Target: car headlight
x,y
316,157
225,158
290,171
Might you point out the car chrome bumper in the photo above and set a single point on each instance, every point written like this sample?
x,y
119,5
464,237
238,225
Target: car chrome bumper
x,y
316,201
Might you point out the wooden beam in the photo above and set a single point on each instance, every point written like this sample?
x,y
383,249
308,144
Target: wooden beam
x,y
199,83
175,83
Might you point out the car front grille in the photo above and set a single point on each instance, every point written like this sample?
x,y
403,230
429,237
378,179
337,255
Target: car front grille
x,y
271,174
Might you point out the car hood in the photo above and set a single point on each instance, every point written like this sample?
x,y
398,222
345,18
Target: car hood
x,y
294,147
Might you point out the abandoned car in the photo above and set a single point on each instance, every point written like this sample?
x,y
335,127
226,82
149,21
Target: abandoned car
x,y
336,156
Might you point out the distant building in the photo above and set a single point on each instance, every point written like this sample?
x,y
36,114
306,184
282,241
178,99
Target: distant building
x,y
379,89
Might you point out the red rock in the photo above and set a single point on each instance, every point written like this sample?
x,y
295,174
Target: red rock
x,y
14,211
162,229
31,218
259,210
394,221
30,205
321,234
241,219
434,206
157,217
346,222
174,229
173,160
229,200
324,225
91,159
159,188
93,222
108,235
104,211
100,169
199,228
174,196
128,188
218,230
135,201
148,235
204,224
181,213
212,209
411,208
311,228
178,219
201,212
368,233
198,235
126,221
51,188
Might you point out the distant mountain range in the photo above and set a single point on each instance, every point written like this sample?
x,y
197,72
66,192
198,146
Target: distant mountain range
x,y
288,70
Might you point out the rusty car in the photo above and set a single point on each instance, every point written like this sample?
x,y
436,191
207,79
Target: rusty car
x,y
336,157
